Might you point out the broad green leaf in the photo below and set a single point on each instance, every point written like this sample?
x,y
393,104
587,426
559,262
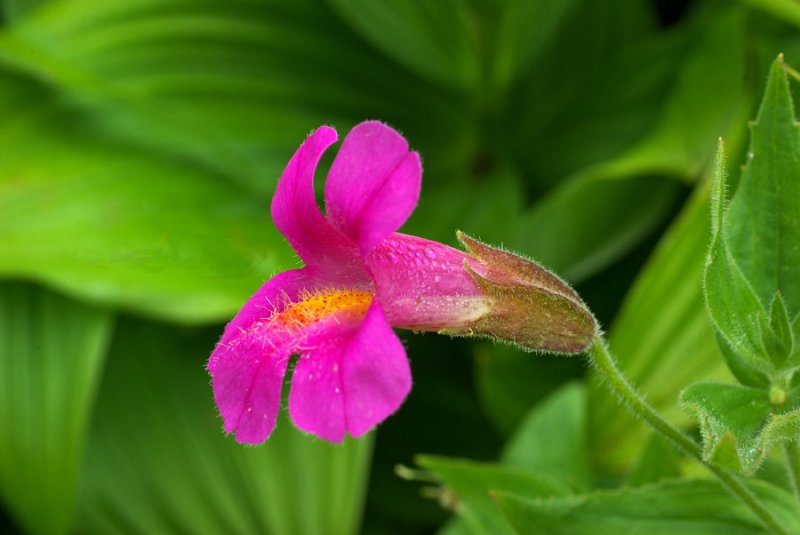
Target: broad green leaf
x,y
659,461
552,439
523,30
740,424
12,10
764,215
52,351
732,304
436,39
461,44
706,98
236,88
486,206
122,226
662,339
509,382
690,507
547,453
602,210
159,462
786,10
472,481
587,223
551,125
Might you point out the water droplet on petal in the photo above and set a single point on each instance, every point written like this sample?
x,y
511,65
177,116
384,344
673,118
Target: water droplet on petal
x,y
393,258
429,253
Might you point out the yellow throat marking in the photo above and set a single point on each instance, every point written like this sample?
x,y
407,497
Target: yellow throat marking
x,y
314,306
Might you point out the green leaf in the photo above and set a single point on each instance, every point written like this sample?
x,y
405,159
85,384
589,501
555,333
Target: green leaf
x,y
578,242
158,460
708,96
221,85
786,10
632,187
509,382
744,373
734,307
488,207
471,481
740,424
552,439
125,227
690,507
661,337
52,351
523,30
546,456
659,461
782,341
436,39
764,216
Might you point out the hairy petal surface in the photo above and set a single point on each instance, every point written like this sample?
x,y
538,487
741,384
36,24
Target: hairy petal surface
x,y
247,385
353,376
271,297
295,210
373,185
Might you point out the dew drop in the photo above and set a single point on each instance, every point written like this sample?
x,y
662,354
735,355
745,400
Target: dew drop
x,y
429,253
393,258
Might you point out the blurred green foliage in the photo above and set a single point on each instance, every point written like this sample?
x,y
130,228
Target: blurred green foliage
x,y
140,141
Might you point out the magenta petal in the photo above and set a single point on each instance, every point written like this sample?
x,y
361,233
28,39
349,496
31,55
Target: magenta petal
x,y
315,399
353,378
373,185
422,284
294,206
247,385
376,376
280,288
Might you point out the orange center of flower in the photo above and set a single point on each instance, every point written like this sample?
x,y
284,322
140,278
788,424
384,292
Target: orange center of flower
x,y
317,305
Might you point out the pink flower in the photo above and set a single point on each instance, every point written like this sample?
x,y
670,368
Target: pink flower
x,y
360,279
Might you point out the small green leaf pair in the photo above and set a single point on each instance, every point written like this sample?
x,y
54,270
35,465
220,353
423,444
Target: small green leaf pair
x,y
752,292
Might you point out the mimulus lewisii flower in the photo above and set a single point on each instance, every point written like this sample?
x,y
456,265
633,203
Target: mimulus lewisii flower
x,y
360,279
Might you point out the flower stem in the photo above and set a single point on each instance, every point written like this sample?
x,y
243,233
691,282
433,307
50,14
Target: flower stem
x,y
619,384
792,452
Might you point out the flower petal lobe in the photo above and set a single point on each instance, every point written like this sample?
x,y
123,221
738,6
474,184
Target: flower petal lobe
x,y
294,206
373,185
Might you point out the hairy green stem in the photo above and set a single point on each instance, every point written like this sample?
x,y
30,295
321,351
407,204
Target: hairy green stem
x,y
616,381
792,452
